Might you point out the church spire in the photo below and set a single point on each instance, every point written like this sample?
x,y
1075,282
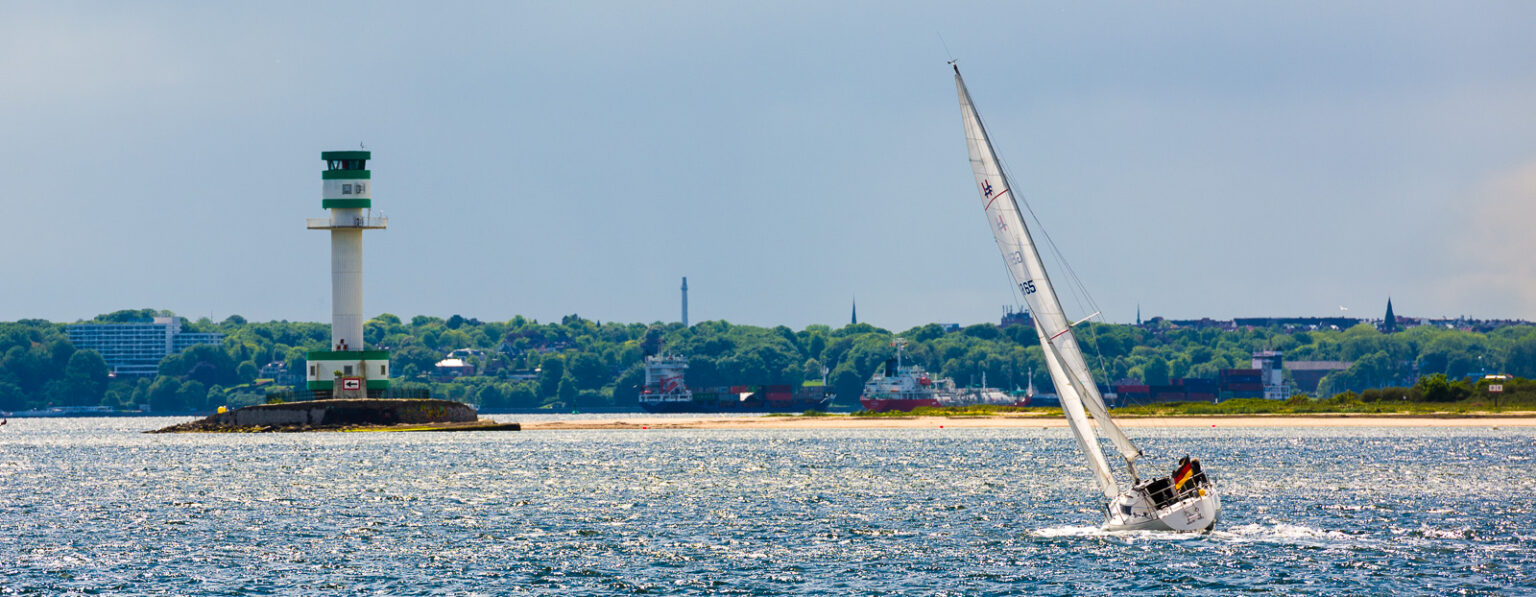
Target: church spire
x,y
855,318
1389,323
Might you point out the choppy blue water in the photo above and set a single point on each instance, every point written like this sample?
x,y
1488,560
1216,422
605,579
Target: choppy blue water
x,y
91,506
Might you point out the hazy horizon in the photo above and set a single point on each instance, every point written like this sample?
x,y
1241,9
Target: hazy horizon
x,y
1198,160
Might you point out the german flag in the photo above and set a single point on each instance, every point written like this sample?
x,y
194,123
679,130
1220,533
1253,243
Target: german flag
x,y
1182,476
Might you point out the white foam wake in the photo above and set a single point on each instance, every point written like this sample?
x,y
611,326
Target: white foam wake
x,y
1099,532
1273,532
1278,532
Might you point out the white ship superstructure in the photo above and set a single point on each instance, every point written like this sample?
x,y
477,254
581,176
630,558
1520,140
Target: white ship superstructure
x,y
664,381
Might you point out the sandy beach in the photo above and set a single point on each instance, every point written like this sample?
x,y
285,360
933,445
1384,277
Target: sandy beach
x,y
644,422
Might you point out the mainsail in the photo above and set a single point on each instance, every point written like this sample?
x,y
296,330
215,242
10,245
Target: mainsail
x,y
1069,371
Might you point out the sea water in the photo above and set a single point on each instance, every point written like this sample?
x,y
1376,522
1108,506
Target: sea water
x,y
93,506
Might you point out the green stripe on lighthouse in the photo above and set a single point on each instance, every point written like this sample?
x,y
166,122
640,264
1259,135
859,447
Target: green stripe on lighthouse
x,y
346,203
346,155
345,175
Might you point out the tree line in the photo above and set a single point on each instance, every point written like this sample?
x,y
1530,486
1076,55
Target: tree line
x,y
580,363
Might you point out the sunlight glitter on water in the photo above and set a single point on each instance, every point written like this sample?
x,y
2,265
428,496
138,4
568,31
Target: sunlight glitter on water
x,y
95,506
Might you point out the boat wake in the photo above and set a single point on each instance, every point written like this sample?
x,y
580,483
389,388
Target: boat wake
x,y
1101,533
1282,533
1275,532
1069,532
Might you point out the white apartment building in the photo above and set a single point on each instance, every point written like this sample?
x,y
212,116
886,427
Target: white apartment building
x,y
136,348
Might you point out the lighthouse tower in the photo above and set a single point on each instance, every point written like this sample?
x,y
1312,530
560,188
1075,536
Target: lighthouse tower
x,y
347,369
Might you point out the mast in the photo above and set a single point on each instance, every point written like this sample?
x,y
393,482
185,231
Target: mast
x,y
1064,357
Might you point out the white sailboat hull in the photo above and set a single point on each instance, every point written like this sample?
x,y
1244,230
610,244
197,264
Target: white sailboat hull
x,y
1131,511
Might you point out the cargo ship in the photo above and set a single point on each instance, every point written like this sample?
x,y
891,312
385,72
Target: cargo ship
x,y
902,387
665,391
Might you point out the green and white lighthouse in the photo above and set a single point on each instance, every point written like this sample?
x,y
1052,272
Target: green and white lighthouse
x,y
348,369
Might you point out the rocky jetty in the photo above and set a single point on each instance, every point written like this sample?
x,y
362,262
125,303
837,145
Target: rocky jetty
x,y
369,414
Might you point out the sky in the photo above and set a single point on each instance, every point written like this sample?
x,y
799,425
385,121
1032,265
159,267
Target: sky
x,y
1192,159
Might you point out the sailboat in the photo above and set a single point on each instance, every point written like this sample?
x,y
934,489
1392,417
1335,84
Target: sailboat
x,y
1185,500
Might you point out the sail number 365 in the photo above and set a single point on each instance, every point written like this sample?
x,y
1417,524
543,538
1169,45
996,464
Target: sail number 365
x,y
1027,287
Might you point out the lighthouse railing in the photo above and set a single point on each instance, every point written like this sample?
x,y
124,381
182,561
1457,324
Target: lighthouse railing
x,y
372,222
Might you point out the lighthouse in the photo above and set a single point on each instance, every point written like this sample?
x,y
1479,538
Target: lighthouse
x,y
347,369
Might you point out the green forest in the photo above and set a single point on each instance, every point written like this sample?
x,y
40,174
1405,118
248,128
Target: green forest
x,y
578,363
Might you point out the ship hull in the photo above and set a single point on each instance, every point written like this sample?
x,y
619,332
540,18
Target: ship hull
x,y
666,392
709,406
1198,513
880,405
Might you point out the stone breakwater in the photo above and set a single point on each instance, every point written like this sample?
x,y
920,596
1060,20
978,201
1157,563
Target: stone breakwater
x,y
328,415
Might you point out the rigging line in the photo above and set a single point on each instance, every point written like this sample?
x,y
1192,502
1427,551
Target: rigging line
x,y
946,47
1081,293
1082,289
1093,340
1085,295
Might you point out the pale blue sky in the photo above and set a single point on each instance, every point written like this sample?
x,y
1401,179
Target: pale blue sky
x,y
1198,158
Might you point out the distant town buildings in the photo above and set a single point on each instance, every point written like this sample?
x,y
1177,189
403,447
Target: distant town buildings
x,y
1391,322
1289,324
460,362
447,369
1308,374
1020,316
280,374
1265,379
273,370
135,349
1270,376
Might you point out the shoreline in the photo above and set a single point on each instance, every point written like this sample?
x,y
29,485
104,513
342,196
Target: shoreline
x,y
1520,419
